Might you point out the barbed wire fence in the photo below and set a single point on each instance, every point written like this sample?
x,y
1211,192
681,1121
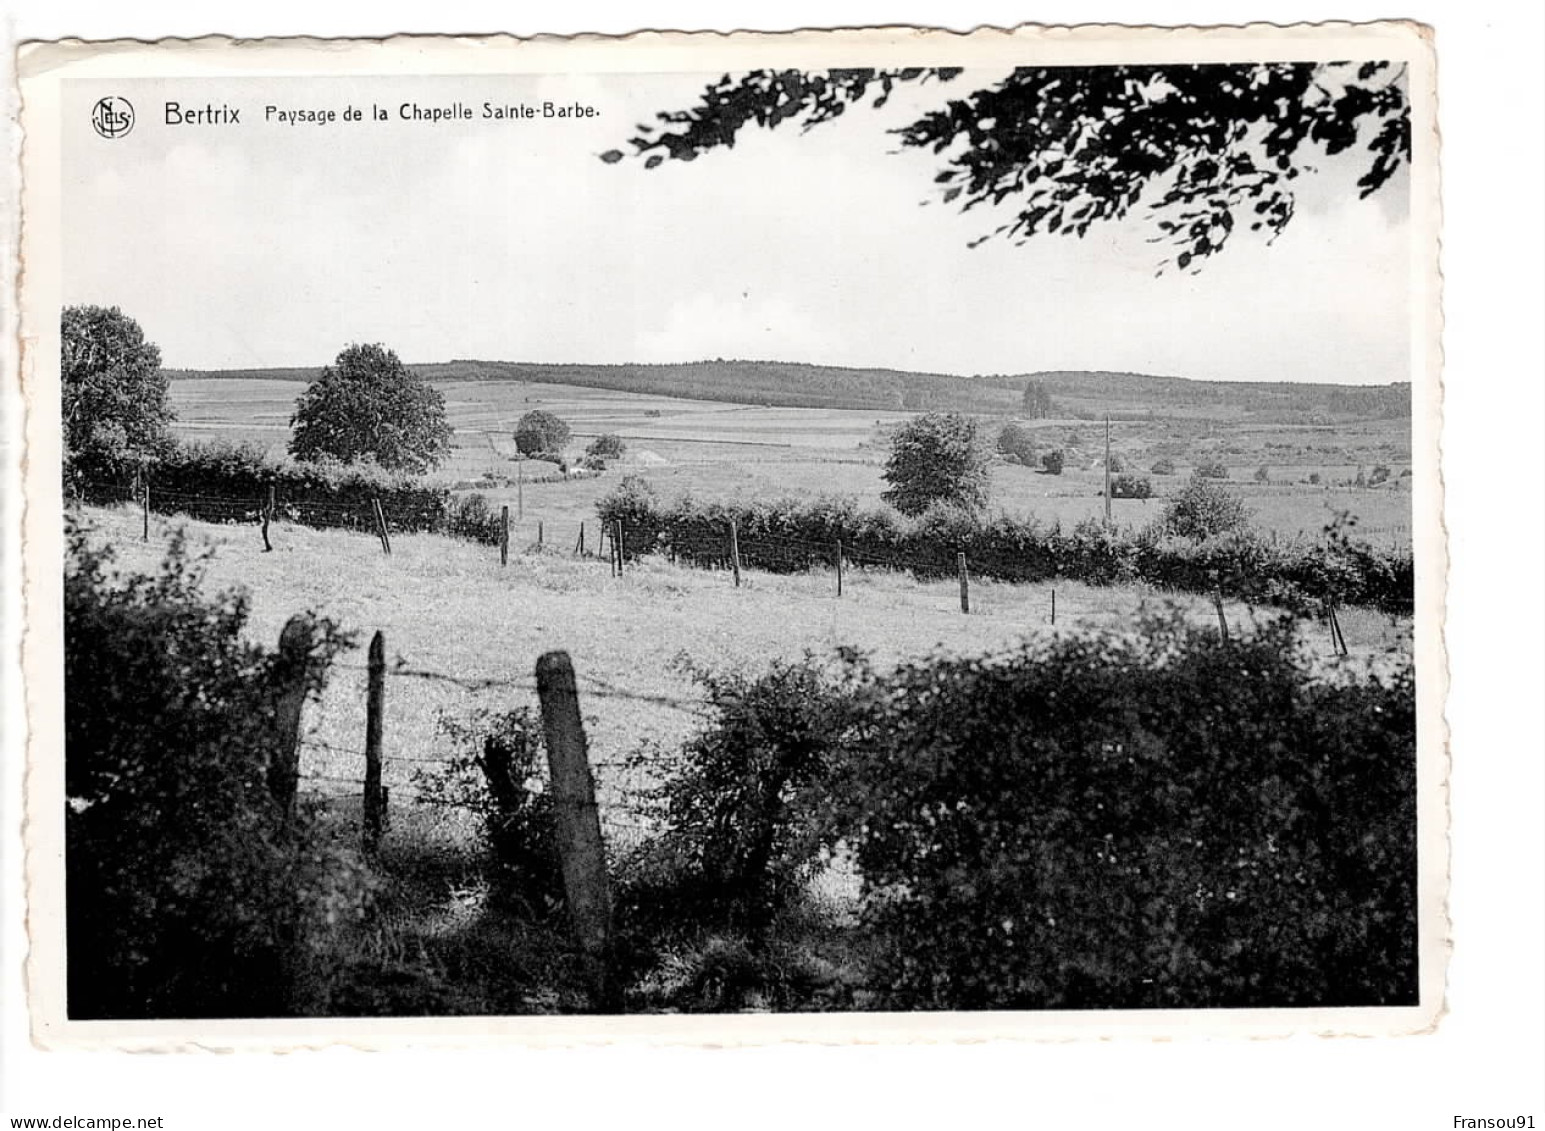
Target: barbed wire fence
x,y
332,771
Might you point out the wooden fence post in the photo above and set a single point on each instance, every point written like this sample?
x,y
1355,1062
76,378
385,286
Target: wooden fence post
x,y
375,705
965,582
1337,640
145,509
581,853
386,542
579,547
839,567
1217,601
292,676
268,515
622,547
1054,606
504,535
735,552
538,534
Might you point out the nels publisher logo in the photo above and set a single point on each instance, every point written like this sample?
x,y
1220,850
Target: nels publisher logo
x,y
112,116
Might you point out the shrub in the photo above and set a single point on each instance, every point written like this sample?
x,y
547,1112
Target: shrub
x,y
1263,474
744,805
541,434
471,517
1380,475
1165,466
367,404
498,771
1131,487
606,447
634,502
1315,478
1015,443
1116,464
1203,510
936,458
1053,462
1210,469
191,892
1161,822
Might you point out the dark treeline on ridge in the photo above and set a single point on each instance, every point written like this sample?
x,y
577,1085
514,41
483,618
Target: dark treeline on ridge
x,y
1077,394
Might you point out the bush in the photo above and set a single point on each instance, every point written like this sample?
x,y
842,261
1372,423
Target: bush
x,y
1165,466
634,502
498,771
1203,510
1263,474
1165,822
1116,464
1016,444
1131,487
1210,469
744,805
471,517
541,434
190,891
605,448
1053,462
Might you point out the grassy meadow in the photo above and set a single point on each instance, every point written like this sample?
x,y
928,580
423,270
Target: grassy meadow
x,y
447,608
715,450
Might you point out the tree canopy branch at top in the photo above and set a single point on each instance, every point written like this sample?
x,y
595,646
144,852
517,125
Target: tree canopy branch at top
x,y
1201,149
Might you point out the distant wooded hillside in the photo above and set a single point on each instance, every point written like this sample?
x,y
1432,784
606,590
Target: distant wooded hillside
x,y
1078,394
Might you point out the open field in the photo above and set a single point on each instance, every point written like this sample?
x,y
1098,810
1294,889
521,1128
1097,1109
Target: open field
x,y
447,607
723,451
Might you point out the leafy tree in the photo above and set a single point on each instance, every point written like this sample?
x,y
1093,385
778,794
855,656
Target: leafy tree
x,y
1203,148
936,458
1015,442
112,395
368,405
1053,462
1202,509
1037,402
539,433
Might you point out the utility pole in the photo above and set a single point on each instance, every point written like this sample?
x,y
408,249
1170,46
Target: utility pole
x,y
1107,469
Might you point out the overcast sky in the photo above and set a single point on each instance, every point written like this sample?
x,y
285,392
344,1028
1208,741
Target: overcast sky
x,y
262,244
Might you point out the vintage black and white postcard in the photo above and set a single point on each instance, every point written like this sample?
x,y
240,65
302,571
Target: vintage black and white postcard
x,y
847,536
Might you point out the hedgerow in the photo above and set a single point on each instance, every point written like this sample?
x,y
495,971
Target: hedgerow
x,y
200,479
784,535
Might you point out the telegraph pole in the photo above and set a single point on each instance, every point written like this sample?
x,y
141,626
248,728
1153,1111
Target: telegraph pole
x,y
1107,469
